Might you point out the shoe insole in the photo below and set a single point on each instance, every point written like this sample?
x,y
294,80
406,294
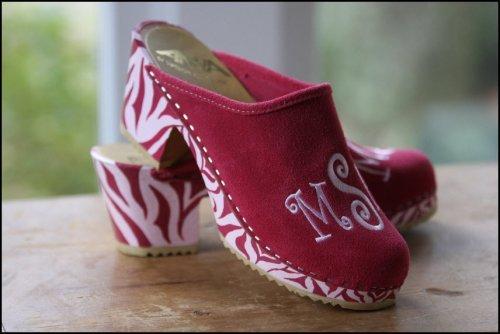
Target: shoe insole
x,y
180,54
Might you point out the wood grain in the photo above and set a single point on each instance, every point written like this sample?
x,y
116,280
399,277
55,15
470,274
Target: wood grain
x,y
60,271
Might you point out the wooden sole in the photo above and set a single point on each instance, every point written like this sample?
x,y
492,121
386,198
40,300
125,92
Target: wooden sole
x,y
334,302
156,251
414,223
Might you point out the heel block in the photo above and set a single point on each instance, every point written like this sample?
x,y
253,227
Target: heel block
x,y
152,213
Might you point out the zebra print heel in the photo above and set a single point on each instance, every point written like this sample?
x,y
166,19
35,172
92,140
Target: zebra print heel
x,y
153,213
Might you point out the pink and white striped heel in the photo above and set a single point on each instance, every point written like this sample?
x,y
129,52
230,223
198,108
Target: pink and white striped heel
x,y
153,213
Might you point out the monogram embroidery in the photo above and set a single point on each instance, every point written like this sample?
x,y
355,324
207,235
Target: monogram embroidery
x,y
361,208
369,160
307,210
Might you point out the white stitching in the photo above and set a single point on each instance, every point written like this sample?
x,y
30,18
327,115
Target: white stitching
x,y
222,181
285,104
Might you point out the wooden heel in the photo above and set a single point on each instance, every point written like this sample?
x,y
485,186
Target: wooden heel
x,y
152,213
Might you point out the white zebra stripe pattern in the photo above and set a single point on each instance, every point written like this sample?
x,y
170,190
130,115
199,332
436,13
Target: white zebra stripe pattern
x,y
145,210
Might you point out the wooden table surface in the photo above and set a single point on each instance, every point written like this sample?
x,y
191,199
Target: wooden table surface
x,y
60,271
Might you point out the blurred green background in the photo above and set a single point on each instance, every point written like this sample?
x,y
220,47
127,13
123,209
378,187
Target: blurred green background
x,y
415,75
48,98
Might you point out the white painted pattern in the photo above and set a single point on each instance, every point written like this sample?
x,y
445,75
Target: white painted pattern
x,y
369,159
183,206
415,212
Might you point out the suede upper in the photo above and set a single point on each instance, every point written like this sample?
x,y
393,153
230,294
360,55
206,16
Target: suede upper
x,y
396,180
283,163
269,150
408,176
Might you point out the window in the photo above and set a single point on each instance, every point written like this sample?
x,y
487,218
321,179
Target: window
x,y
48,98
404,75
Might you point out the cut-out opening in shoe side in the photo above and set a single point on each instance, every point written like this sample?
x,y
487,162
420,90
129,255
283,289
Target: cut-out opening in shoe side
x,y
176,150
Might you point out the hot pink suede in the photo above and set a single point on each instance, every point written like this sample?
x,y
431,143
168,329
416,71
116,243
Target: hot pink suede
x,y
264,153
397,179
